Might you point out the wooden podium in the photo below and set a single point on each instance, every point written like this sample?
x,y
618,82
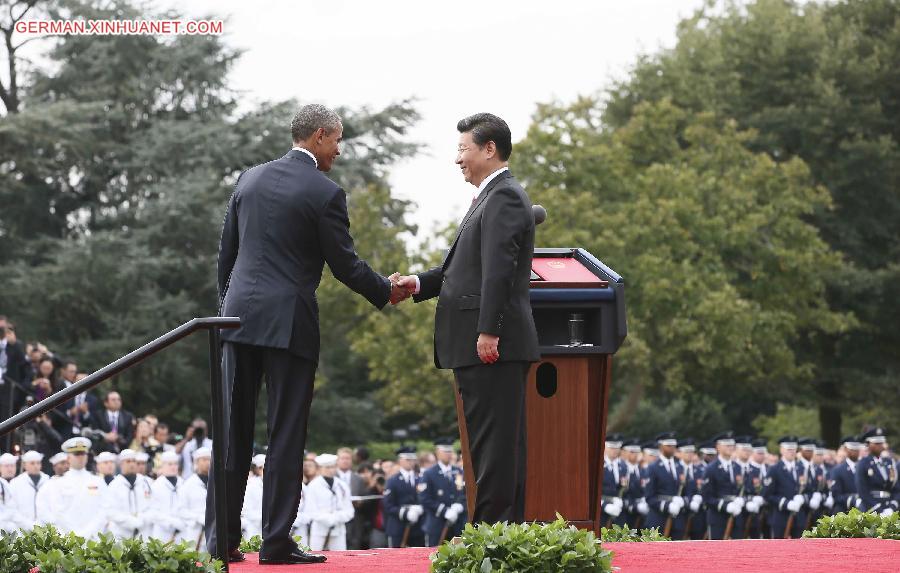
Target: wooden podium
x,y
567,398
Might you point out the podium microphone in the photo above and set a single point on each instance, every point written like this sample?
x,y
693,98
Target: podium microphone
x,y
540,214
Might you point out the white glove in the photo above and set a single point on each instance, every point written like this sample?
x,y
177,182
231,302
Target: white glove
x,y
740,502
695,503
733,508
618,502
815,501
759,501
451,515
674,508
413,513
794,505
679,501
800,499
612,509
829,501
887,512
752,506
458,507
643,508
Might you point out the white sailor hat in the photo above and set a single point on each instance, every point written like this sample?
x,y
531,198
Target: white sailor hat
x,y
127,454
105,457
32,456
7,459
78,444
259,460
203,452
58,458
142,457
168,457
326,460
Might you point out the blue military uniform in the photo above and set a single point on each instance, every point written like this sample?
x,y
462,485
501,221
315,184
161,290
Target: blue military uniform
x,y
786,483
695,525
402,510
615,484
876,478
442,494
842,479
754,487
723,486
635,504
816,485
665,490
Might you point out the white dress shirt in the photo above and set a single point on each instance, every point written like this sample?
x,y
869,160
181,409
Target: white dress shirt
x,y
308,152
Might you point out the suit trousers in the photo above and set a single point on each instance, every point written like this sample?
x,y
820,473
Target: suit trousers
x,y
493,398
289,385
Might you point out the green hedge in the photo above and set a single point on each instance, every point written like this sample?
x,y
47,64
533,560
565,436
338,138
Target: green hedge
x,y
620,533
523,548
856,524
46,550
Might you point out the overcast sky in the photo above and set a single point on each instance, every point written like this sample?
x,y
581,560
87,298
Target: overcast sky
x,y
456,58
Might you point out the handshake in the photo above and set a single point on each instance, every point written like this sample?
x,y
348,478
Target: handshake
x,y
402,287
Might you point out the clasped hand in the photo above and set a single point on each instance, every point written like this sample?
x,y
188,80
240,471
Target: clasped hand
x,y
402,287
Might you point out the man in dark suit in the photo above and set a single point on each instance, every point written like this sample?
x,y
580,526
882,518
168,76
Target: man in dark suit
x,y
483,327
284,221
116,424
15,371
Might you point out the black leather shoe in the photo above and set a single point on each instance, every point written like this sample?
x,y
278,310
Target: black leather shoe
x,y
297,557
236,556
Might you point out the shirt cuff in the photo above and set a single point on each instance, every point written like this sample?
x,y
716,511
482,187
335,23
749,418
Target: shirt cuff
x,y
418,286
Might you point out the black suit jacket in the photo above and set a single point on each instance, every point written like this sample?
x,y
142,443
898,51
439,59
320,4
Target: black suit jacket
x,y
125,429
484,280
285,220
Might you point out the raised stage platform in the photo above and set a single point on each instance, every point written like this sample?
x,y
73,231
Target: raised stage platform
x,y
766,556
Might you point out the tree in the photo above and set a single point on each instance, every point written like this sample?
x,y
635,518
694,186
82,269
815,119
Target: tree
x,y
723,274
817,82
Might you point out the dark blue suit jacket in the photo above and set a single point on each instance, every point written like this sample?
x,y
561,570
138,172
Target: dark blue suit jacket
x,y
398,494
285,220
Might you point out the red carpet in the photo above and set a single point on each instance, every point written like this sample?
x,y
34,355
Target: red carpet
x,y
768,556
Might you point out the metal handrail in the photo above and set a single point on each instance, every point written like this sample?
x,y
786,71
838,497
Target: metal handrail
x,y
220,431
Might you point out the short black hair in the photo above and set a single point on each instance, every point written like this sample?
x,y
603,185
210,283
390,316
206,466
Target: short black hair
x,y
488,127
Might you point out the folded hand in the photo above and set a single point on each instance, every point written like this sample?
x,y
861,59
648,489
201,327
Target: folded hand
x,y
400,291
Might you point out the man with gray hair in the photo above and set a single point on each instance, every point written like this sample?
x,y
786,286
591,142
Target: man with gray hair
x,y
284,221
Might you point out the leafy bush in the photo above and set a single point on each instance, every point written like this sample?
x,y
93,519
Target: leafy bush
x,y
620,533
50,551
523,548
857,524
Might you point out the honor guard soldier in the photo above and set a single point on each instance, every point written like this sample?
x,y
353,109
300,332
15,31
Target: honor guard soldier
x,y
141,459
8,466
615,482
723,491
192,499
251,512
842,478
327,507
167,523
876,476
695,527
754,485
26,485
665,490
815,480
785,496
635,505
442,495
751,485
76,501
707,452
106,466
129,499
60,464
401,504
11,518
822,470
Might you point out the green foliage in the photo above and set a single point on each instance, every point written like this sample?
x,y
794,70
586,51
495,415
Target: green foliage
x,y
723,271
818,82
254,543
857,523
621,533
52,552
523,548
